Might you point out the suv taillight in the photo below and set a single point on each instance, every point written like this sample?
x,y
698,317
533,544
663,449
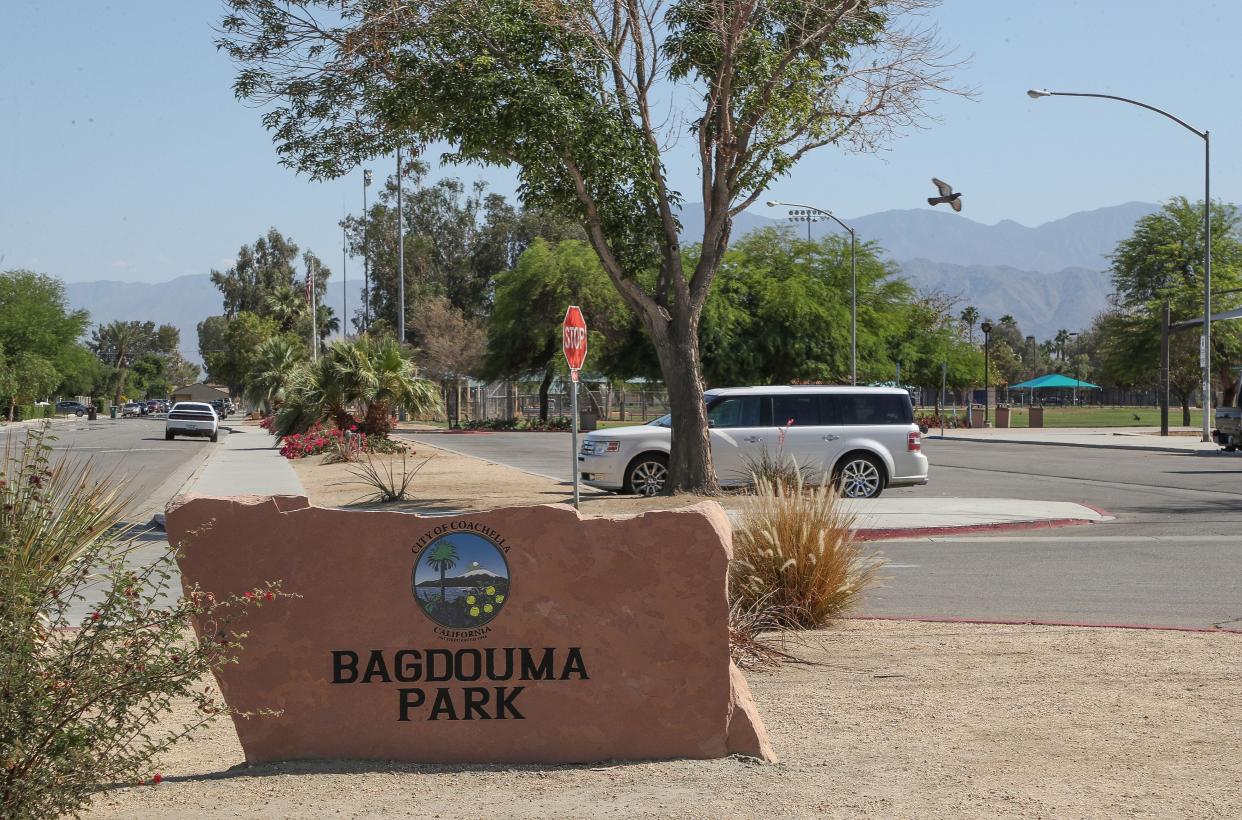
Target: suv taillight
x,y
914,442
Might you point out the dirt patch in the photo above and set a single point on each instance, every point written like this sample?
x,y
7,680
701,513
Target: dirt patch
x,y
451,482
892,719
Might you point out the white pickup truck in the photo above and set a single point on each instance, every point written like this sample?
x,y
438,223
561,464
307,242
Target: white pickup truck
x,y
192,418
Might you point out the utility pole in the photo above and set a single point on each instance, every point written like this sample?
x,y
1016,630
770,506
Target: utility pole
x,y
344,282
400,256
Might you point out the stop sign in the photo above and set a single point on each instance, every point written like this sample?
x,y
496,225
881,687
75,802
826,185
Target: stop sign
x,y
574,337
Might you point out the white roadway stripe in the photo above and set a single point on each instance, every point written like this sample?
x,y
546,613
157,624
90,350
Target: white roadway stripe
x,y
1086,539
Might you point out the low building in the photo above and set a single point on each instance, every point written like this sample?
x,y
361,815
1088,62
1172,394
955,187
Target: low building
x,y
200,392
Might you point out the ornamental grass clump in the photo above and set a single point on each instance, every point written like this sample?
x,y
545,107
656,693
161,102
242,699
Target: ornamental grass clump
x,y
795,549
91,654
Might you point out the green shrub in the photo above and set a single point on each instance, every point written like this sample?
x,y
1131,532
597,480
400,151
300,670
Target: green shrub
x,y
796,555
89,663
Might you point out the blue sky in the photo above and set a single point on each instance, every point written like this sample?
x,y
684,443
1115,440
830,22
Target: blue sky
x,y
123,154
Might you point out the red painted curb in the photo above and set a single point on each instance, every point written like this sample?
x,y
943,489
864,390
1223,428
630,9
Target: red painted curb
x,y
893,533
1034,622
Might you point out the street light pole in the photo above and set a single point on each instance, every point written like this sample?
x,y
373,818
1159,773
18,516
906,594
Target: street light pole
x,y
853,280
1206,356
366,256
986,327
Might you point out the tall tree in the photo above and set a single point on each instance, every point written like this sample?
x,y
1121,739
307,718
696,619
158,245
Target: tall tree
x,y
575,94
451,348
1162,261
970,316
120,343
524,329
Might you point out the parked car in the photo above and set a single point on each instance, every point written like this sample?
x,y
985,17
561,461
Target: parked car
x,y
864,438
192,418
153,406
220,407
77,408
133,408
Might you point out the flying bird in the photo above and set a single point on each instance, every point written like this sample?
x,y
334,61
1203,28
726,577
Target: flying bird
x,y
946,195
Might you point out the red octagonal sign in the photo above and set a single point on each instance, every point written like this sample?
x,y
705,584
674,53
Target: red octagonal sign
x,y
574,337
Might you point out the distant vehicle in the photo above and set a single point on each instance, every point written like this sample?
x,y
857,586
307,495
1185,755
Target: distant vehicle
x,y
153,406
222,407
863,438
133,408
77,408
192,418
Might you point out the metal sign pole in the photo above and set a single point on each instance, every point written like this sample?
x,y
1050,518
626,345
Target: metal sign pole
x,y
573,454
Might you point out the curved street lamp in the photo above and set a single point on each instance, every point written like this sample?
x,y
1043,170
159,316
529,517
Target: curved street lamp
x,y
1206,357
853,277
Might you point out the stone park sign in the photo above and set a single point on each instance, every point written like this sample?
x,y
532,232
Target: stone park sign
x,y
520,635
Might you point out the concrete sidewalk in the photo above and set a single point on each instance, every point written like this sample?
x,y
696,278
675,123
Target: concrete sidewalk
x,y
246,462
1180,439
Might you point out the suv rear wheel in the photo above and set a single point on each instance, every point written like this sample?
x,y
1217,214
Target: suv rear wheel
x,y
860,476
647,475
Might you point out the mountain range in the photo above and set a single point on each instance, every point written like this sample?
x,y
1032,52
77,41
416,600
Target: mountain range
x,y
1048,277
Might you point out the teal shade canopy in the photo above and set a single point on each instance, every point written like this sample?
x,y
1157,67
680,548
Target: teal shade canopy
x,y
1052,380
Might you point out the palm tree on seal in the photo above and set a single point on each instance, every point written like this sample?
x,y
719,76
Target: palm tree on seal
x,y
443,558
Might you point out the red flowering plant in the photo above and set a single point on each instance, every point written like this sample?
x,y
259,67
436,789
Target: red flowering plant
x,y
335,443
95,645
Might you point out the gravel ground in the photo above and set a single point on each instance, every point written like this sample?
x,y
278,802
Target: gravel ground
x,y
890,719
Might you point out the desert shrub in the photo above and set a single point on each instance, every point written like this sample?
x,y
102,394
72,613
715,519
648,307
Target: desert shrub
x,y
90,660
795,549
929,421
775,468
558,424
385,482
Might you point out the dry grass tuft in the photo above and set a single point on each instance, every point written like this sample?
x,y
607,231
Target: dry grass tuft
x,y
757,635
387,483
795,550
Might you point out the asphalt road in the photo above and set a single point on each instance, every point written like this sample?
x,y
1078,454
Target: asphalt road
x,y
134,451
1171,557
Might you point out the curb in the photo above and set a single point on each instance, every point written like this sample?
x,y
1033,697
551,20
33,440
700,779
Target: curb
x,y
1149,448
907,533
1039,622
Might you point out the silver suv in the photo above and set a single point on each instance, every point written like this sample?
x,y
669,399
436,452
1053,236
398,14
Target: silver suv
x,y
865,438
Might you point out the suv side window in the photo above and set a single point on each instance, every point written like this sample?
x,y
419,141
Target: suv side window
x,y
800,411
736,411
876,408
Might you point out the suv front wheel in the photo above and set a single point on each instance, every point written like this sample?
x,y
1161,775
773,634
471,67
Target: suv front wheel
x,y
860,476
647,475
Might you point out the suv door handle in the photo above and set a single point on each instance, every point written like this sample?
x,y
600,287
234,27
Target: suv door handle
x,y
751,439
831,437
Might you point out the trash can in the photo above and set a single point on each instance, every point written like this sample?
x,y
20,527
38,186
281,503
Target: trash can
x,y
1002,416
90,412
976,416
112,411
1036,418
588,420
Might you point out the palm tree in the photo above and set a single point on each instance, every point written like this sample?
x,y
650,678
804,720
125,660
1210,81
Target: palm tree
x,y
274,369
373,376
286,305
387,380
443,558
970,315
118,339
1062,339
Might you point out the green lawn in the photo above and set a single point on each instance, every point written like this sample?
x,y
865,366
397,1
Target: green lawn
x,y
1102,416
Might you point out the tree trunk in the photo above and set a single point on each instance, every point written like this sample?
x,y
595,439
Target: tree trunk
x,y
690,462
543,392
120,384
1185,411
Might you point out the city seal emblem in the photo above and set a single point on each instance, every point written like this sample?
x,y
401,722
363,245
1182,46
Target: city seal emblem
x,y
461,580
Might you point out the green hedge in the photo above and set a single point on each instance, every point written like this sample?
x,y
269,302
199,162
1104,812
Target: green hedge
x,y
23,412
